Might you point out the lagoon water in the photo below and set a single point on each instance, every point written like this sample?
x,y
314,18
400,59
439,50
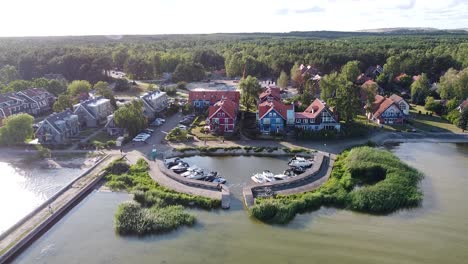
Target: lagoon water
x,y
23,189
436,232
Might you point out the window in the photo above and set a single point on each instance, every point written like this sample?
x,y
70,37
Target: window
x,y
226,120
298,121
266,121
216,120
279,120
306,121
326,117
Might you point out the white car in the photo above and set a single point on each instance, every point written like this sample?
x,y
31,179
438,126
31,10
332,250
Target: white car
x,y
182,127
141,137
160,120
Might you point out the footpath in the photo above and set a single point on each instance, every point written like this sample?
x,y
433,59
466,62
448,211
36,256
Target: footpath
x,y
33,225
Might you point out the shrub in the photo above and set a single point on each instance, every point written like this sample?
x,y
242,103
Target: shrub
x,y
132,219
386,184
110,143
118,167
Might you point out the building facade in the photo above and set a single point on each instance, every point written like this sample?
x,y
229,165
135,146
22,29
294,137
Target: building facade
x,y
93,112
222,116
58,128
385,111
317,117
154,103
204,99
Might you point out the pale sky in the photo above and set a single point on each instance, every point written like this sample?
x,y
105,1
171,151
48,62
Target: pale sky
x,y
121,17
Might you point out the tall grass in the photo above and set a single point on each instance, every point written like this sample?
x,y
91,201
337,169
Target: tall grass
x,y
363,179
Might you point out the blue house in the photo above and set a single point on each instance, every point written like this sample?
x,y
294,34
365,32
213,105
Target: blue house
x,y
273,116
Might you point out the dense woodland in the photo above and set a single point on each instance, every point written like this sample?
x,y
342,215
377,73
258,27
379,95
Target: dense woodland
x,y
260,55
340,57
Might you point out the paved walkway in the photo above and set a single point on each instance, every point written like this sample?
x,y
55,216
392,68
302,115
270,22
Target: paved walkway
x,y
56,205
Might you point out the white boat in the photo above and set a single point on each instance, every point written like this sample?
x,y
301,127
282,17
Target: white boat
x,y
191,170
263,177
281,177
219,180
196,176
300,162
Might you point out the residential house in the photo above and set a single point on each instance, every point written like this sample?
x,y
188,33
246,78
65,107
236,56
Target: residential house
x,y
39,100
462,106
308,70
274,116
270,93
58,128
316,117
154,102
222,116
402,104
374,71
111,128
32,101
203,99
385,111
93,112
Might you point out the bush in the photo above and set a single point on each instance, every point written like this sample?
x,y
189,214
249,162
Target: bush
x,y
110,143
118,167
385,184
182,85
132,219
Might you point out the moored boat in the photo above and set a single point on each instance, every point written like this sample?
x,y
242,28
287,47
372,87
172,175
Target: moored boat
x,y
300,162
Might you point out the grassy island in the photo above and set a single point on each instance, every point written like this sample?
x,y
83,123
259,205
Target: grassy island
x,y
155,209
363,179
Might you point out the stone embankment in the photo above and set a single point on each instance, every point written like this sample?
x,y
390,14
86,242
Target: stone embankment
x,y
310,180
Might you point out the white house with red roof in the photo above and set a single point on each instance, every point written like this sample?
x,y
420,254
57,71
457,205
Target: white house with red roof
x,y
385,111
316,117
222,116
402,104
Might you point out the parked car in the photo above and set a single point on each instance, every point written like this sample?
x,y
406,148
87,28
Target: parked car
x,y
148,131
182,127
160,120
186,121
141,137
155,123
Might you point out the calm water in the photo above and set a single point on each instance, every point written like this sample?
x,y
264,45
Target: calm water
x,y
437,232
23,189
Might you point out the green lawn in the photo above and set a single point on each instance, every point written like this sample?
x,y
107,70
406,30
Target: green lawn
x,y
102,137
429,123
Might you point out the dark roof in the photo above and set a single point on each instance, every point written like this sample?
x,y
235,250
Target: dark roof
x,y
51,119
274,92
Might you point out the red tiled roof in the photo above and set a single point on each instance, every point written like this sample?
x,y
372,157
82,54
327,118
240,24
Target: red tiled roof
x,y
381,104
214,96
395,98
464,104
227,106
398,78
270,91
314,109
278,106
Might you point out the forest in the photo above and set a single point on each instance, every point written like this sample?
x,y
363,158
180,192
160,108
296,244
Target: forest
x,y
189,57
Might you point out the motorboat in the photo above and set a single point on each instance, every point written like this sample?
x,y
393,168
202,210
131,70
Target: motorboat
x,y
191,170
219,180
172,163
281,177
300,162
299,170
181,167
263,177
196,176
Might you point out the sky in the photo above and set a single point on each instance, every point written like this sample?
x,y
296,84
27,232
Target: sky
x,y
122,17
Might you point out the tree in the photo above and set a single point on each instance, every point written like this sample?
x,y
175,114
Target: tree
x,y
283,80
57,87
121,85
20,85
130,117
328,85
432,105
448,83
16,129
347,101
63,102
103,89
188,72
296,77
370,91
420,89
463,121
350,71
234,65
79,87
250,89
8,74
